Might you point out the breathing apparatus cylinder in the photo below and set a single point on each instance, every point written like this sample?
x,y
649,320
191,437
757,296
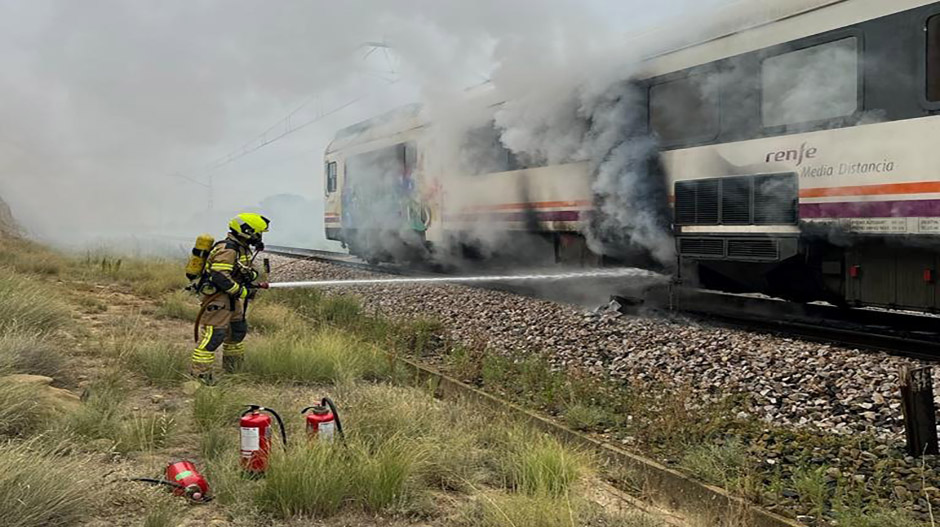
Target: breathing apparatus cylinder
x,y
197,261
255,429
322,421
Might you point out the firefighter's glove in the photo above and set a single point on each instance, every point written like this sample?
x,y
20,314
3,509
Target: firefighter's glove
x,y
245,293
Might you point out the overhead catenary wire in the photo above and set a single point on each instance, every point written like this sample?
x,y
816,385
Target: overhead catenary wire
x,y
286,126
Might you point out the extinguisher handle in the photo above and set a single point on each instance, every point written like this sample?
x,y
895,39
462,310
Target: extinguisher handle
x,y
307,409
252,408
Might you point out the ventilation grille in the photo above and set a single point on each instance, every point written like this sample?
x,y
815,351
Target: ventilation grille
x,y
702,246
753,249
706,203
775,200
736,201
747,200
685,203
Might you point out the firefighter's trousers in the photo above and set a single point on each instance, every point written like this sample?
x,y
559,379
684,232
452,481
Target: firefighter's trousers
x,y
223,324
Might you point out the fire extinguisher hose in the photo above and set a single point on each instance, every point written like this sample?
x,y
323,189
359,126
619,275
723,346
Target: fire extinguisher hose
x,y
155,481
202,310
339,425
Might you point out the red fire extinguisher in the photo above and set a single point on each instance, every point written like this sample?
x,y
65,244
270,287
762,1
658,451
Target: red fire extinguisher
x,y
184,480
256,437
323,420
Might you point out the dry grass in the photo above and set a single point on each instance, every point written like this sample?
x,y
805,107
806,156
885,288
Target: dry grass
x,y
29,306
515,510
24,256
32,353
22,412
162,363
270,317
180,305
146,432
542,466
322,356
42,487
150,277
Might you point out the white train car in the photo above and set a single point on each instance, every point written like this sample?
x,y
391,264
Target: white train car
x,y
798,149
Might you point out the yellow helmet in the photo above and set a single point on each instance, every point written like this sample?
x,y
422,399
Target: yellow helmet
x,y
249,225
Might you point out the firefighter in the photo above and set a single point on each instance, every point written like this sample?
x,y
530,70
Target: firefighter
x,y
231,281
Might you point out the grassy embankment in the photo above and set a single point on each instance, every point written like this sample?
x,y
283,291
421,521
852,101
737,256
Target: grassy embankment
x,y
840,480
115,330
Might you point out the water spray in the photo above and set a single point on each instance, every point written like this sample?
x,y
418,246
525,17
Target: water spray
x,y
626,272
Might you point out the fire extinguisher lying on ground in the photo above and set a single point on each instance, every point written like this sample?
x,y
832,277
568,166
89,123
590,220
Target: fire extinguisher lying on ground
x,y
184,480
256,437
322,421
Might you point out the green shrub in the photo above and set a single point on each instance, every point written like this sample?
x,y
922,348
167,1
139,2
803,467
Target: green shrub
x,y
29,306
100,415
812,486
543,467
305,301
306,481
42,488
382,477
162,363
453,457
269,317
423,336
218,406
215,442
724,464
317,479
325,356
585,417
341,310
146,432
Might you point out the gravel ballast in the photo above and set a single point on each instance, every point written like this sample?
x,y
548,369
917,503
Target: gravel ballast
x,y
785,381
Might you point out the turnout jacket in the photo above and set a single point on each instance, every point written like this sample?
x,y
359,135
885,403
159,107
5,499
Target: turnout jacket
x,y
229,268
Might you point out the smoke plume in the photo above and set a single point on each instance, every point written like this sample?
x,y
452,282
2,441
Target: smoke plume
x,y
105,102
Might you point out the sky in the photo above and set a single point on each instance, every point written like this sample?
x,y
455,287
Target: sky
x,y
112,112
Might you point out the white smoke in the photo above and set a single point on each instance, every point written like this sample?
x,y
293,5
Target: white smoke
x,y
102,99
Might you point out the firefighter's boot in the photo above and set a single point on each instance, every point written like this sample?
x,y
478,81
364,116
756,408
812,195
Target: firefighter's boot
x,y
233,355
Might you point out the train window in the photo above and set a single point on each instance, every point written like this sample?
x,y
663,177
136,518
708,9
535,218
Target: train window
x,y
331,177
483,152
685,110
933,59
811,84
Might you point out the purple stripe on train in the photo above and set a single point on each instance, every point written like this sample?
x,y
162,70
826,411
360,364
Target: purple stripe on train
x,y
872,209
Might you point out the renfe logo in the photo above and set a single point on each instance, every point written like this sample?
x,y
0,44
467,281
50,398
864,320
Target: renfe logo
x,y
793,155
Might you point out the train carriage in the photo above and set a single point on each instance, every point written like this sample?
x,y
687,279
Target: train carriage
x,y
798,149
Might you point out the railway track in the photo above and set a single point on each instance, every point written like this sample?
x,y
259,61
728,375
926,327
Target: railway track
x,y
907,334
